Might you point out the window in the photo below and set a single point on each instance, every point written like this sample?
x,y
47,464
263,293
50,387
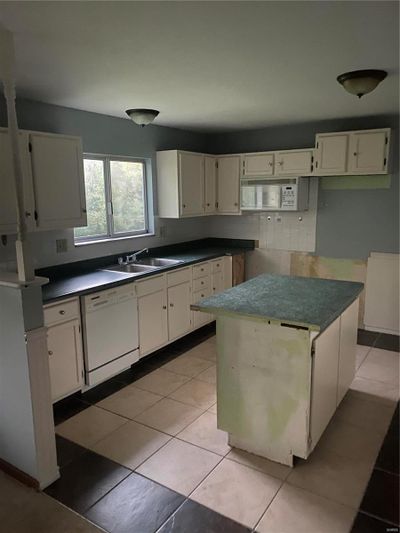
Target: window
x,y
115,198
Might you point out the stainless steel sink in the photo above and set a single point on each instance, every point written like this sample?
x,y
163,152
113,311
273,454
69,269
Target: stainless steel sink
x,y
158,262
131,268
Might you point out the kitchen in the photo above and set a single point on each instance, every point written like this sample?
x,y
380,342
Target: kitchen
x,y
344,227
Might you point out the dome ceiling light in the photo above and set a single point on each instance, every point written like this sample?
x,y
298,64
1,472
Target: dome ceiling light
x,y
360,82
142,117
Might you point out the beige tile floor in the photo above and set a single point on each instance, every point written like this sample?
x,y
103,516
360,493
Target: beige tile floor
x,y
164,426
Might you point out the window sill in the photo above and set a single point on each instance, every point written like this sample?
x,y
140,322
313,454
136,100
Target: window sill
x,y
114,239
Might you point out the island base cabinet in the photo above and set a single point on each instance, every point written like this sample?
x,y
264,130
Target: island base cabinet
x,y
325,362
347,350
65,359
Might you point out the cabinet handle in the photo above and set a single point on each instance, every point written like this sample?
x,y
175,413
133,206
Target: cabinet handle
x,y
62,312
164,306
171,305
50,352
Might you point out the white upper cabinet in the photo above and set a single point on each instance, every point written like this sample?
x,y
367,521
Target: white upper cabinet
x,y
228,193
368,152
352,152
180,184
294,163
210,184
258,164
191,180
57,171
53,182
331,153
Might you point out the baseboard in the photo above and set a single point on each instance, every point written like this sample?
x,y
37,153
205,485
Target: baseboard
x,y
20,476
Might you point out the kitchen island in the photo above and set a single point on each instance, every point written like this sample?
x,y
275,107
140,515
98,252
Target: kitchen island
x,y
285,359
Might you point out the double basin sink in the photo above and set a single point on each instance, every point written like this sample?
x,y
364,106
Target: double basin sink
x,y
143,265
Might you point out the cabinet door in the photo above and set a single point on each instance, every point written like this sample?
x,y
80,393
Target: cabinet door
x,y
200,318
324,380
293,163
217,282
368,152
179,314
228,185
191,176
65,359
331,153
8,210
57,170
238,269
347,350
153,322
258,165
210,183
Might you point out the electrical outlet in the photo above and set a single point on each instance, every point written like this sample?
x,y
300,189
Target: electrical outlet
x,y
61,246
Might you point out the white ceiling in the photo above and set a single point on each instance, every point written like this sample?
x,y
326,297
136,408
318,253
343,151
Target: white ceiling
x,y
206,65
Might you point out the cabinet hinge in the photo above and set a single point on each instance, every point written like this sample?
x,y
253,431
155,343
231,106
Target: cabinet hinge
x,y
316,164
312,159
216,164
384,162
82,373
386,140
36,215
79,328
312,168
317,145
216,205
30,147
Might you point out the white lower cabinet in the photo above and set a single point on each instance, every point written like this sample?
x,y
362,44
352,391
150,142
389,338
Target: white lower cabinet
x,y
179,314
153,326
64,343
152,312
200,319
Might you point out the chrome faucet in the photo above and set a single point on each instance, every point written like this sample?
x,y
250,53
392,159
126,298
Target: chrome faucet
x,y
134,257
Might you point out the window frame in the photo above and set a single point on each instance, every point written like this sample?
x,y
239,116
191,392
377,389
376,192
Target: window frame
x,y
111,235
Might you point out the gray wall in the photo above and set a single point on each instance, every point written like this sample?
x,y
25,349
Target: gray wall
x,y
104,135
350,223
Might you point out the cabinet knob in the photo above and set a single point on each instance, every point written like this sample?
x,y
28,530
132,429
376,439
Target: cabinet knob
x,y
280,163
202,295
28,214
50,352
355,153
202,282
62,312
202,269
84,211
183,205
208,205
270,163
171,305
236,204
164,306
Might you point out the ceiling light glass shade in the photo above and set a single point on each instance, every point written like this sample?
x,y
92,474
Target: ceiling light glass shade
x,y
360,82
143,117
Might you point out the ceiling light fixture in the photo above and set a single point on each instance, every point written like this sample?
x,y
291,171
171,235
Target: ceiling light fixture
x,y
360,82
142,117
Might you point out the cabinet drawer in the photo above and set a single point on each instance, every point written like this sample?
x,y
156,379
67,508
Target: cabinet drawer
x,y
61,311
149,285
216,266
200,295
203,269
201,283
178,276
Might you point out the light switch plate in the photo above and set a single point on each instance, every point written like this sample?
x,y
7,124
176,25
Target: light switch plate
x,y
61,246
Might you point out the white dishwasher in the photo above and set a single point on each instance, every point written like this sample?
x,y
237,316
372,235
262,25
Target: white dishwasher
x,y
110,325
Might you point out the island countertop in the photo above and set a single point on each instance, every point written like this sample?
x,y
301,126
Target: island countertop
x,y
313,303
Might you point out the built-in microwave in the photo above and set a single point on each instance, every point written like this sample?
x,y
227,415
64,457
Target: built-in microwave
x,y
266,194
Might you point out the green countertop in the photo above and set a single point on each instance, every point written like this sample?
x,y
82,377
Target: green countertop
x,y
309,302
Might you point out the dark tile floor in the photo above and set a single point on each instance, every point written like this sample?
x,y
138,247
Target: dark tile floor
x,y
122,501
